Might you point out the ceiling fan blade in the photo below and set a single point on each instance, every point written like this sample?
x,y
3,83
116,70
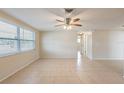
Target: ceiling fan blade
x,y
59,20
76,19
59,25
76,24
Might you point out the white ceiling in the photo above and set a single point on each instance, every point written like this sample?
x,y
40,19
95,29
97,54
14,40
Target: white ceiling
x,y
44,19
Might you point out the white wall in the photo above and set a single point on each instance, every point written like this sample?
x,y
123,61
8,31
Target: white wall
x,y
108,44
13,63
59,44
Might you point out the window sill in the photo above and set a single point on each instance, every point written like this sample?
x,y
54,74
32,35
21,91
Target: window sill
x,y
16,53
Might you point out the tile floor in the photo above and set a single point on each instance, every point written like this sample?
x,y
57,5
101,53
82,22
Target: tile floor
x,y
69,71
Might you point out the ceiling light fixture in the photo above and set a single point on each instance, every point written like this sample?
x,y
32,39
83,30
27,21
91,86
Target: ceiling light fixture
x,y
67,27
67,21
64,27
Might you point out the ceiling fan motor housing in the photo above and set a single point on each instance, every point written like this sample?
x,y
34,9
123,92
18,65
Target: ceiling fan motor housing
x,y
68,21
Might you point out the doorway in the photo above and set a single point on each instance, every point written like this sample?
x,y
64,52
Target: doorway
x,y
84,40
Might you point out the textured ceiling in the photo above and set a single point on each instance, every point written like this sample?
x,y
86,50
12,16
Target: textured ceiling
x,y
44,19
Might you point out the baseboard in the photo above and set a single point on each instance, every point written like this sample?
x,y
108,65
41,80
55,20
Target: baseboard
x,y
18,69
58,58
108,58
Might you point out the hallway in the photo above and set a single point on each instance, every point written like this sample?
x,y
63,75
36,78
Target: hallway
x,y
69,71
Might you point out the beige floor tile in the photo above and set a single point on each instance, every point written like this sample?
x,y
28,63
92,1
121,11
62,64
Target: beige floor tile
x,y
69,71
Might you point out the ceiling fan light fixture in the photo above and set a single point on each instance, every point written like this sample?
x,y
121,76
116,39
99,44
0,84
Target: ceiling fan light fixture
x,y
68,21
67,27
64,27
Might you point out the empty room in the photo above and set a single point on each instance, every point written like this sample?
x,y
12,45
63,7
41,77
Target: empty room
x,y
61,45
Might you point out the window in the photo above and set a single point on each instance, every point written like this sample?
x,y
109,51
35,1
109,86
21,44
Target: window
x,y
8,38
26,39
15,39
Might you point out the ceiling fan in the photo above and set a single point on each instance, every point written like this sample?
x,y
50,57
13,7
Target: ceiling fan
x,y
68,22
